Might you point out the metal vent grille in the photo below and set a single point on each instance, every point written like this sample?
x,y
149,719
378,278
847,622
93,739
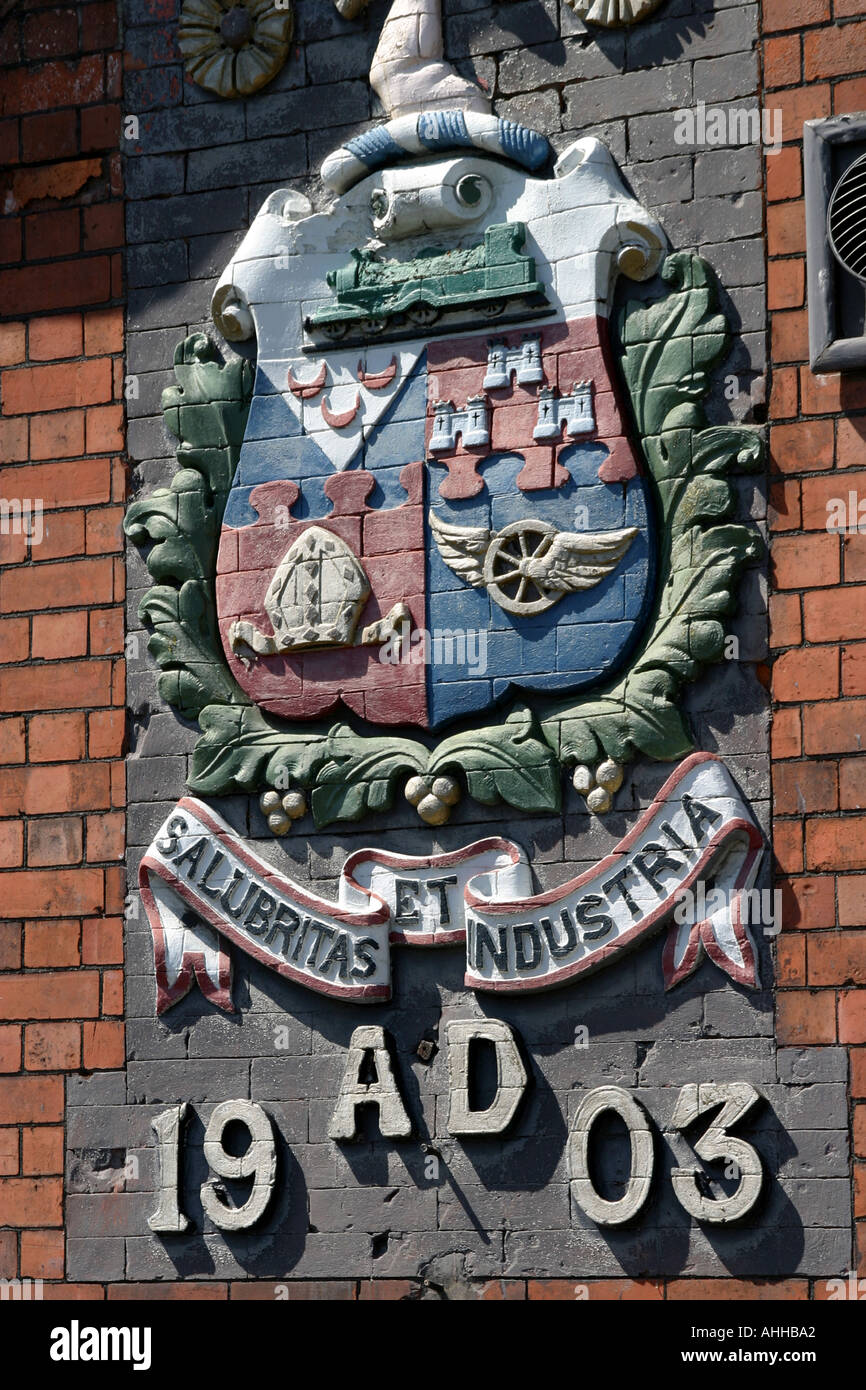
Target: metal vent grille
x,y
846,219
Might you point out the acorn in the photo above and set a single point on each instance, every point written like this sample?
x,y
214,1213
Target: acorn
x,y
294,804
415,790
599,801
447,790
433,811
609,775
279,823
270,802
583,779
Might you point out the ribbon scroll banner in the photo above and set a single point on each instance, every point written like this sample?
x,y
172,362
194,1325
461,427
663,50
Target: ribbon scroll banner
x,y
203,886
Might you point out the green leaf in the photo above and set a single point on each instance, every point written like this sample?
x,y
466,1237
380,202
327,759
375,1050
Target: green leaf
x,y
185,645
718,449
180,521
669,344
506,762
361,774
207,411
639,713
637,716
210,403
242,749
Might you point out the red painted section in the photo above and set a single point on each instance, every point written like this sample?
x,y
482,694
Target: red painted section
x,y
377,381
306,390
570,353
390,545
340,420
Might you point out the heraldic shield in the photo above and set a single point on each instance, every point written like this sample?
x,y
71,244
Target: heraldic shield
x,y
437,501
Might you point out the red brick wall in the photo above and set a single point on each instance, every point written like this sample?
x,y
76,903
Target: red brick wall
x,y
61,600
814,65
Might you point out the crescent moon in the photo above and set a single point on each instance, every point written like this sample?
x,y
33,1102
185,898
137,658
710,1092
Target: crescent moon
x,y
339,422
376,380
305,390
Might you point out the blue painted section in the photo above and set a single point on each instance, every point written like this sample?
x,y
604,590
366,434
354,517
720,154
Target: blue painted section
x,y
397,439
271,418
490,653
443,130
265,384
523,145
374,147
273,460
577,642
275,448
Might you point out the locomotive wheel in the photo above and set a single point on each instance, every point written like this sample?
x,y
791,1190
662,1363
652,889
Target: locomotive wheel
x,y
491,308
505,568
334,331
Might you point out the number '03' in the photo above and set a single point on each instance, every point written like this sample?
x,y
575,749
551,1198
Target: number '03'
x,y
736,1099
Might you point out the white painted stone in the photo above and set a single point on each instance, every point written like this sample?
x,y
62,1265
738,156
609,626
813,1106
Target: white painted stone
x,y
472,423
580,223
599,801
598,1208
737,1098
610,908
529,566
168,1128
394,1123
426,895
314,599
573,410
259,1162
583,230
424,198
582,780
523,364
512,1079
609,775
344,390
614,14
408,72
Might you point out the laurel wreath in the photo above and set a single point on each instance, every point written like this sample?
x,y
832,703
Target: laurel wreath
x,y
667,347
